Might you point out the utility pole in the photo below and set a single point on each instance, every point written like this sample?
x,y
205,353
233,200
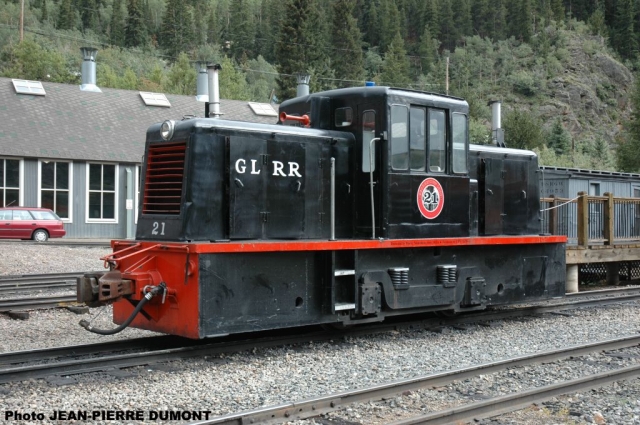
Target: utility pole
x,y
446,83
21,20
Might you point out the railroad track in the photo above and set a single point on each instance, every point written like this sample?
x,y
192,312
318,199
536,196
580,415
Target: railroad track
x,y
66,361
34,282
317,406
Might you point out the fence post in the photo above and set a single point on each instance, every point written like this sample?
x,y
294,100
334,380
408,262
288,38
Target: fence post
x,y
583,219
553,216
609,217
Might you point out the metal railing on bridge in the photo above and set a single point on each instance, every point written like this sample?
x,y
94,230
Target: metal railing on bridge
x,y
592,220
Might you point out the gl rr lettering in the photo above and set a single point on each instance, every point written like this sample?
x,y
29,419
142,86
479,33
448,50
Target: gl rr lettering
x,y
278,168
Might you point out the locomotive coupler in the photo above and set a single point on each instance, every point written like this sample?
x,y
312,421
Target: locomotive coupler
x,y
153,291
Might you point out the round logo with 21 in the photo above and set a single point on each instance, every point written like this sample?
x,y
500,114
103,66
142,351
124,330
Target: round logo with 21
x,y
430,198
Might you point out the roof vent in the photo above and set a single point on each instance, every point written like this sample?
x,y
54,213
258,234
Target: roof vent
x,y
28,87
155,99
202,83
89,69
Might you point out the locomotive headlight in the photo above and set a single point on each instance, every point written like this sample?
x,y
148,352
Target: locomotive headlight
x,y
166,129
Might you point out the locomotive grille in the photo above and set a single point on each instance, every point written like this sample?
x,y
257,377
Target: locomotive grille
x,y
163,182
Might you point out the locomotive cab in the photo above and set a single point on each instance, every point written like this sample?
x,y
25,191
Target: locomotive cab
x,y
406,141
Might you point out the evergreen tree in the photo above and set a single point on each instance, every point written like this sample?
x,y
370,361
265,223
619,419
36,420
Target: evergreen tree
x,y
241,29
481,13
135,31
303,48
557,8
431,17
428,51
116,32
396,65
628,142
89,14
212,27
624,38
181,78
291,53
176,31
462,18
522,130
448,31
597,22
371,21
498,20
389,19
45,13
559,139
66,15
348,62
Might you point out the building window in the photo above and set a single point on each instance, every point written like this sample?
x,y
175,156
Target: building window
x,y
102,181
10,182
55,187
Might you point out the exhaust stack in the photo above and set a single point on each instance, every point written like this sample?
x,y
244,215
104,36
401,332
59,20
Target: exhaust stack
x,y
89,70
303,84
213,105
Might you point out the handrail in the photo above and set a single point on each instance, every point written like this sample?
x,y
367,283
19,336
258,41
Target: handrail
x,y
589,219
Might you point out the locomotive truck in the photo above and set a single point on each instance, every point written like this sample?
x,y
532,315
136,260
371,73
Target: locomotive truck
x,y
358,204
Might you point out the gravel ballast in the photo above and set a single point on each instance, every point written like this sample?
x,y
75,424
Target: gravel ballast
x,y
263,377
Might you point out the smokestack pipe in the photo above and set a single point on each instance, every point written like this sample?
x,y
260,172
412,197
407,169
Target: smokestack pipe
x,y
303,84
202,86
497,133
89,70
214,91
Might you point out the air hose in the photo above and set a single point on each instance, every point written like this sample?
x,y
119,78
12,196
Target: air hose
x,y
157,290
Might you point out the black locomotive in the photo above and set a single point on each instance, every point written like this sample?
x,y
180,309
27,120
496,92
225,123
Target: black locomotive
x,y
360,203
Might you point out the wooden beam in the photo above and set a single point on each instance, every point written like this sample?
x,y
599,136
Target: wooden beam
x,y
583,219
606,255
609,215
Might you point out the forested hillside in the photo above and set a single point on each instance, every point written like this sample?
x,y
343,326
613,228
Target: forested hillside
x,y
562,68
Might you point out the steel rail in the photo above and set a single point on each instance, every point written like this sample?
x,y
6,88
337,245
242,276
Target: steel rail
x,y
11,304
511,402
324,404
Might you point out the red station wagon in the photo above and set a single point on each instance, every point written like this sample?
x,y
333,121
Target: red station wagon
x,y
38,224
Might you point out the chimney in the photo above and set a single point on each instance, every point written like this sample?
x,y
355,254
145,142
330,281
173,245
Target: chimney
x,y
89,69
213,106
497,133
202,90
303,84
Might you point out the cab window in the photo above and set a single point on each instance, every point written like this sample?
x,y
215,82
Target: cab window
x,y
368,133
399,138
437,138
343,117
417,139
459,139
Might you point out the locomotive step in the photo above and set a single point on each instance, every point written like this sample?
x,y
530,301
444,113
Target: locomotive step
x,y
345,306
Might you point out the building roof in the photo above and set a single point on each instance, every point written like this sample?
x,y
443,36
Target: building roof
x,y
67,123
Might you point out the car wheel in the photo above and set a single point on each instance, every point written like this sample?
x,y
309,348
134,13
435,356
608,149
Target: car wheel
x,y
40,235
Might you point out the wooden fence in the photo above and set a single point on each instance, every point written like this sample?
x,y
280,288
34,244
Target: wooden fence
x,y
592,220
